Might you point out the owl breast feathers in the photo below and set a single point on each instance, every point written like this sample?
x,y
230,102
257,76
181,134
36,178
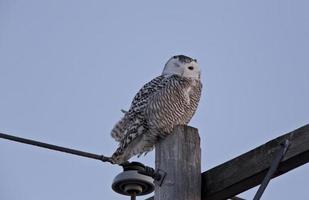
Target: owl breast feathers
x,y
166,101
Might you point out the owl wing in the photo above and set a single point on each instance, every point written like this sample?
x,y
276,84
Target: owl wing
x,y
136,111
170,106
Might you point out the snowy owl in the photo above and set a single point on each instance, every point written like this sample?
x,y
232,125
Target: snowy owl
x,y
166,101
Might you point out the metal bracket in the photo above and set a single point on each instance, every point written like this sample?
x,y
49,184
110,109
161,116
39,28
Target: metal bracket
x,y
158,175
273,168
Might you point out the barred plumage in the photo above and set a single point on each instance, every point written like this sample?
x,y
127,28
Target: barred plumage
x,y
168,100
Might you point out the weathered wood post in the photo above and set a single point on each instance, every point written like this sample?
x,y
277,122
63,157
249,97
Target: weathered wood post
x,y
179,155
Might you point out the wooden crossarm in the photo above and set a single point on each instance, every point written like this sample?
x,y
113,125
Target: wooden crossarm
x,y
248,170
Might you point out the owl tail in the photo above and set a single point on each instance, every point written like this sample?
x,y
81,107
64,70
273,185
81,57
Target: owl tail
x,y
140,145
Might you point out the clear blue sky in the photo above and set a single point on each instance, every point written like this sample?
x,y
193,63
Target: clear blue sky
x,y
68,67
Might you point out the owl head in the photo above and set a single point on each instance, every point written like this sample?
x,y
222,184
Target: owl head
x,y
183,66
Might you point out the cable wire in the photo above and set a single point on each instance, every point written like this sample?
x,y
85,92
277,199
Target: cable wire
x,y
56,148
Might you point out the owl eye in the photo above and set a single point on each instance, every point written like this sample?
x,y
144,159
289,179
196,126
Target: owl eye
x,y
190,67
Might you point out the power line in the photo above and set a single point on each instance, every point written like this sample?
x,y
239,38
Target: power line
x,y
56,148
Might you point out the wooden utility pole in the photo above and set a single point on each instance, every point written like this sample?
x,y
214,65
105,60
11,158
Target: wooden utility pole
x,y
179,155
